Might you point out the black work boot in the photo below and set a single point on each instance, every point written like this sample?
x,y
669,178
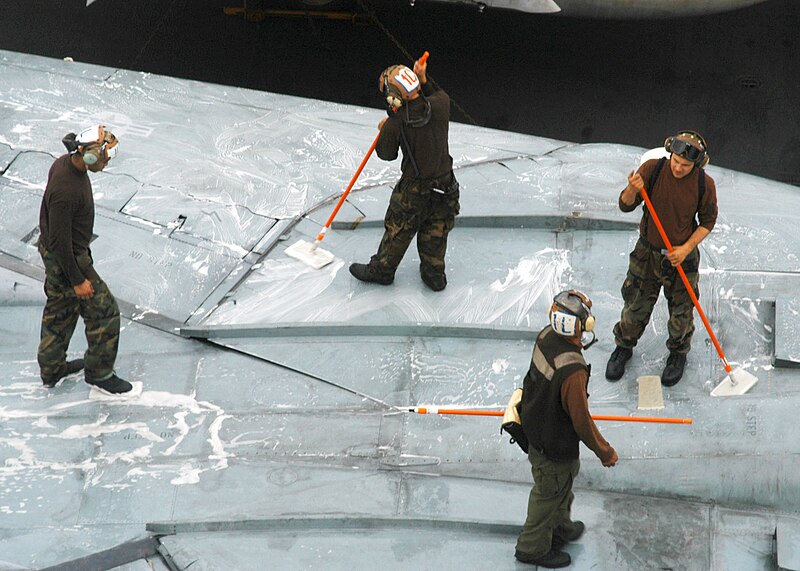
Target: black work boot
x,y
113,385
72,367
437,282
371,274
676,363
553,559
561,539
616,363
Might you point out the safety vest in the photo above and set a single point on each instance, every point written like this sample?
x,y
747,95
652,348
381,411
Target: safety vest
x,y
546,424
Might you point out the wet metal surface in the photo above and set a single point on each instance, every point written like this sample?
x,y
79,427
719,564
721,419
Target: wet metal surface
x,y
250,427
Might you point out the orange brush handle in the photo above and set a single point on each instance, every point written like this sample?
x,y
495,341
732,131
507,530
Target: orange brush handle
x,y
321,235
689,289
643,419
327,225
472,412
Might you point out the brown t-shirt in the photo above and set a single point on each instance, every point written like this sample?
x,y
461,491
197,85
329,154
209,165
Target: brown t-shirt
x,y
575,403
428,143
675,202
66,217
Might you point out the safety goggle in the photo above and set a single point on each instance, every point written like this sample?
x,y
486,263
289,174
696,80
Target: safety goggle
x,y
572,303
97,137
111,148
687,150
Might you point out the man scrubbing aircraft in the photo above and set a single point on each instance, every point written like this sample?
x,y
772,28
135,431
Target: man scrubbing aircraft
x,y
425,201
680,190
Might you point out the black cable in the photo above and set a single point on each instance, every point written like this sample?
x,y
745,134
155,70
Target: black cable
x,y
374,18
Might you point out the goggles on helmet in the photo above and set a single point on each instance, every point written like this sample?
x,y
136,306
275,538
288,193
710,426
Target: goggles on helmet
x,y
100,140
112,148
687,150
573,304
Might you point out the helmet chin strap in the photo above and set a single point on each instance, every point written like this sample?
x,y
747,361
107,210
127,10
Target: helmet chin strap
x,y
590,343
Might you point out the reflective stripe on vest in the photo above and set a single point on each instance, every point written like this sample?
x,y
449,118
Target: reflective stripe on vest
x,y
560,361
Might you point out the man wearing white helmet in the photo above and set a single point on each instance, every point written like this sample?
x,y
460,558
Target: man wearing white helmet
x,y
424,202
555,418
73,287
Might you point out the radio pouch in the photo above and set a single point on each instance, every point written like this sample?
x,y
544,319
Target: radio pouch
x,y
512,423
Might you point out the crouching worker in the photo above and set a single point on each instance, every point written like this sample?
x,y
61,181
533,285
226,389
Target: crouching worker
x,y
555,419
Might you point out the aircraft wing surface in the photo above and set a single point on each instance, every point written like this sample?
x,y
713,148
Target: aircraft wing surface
x,y
273,428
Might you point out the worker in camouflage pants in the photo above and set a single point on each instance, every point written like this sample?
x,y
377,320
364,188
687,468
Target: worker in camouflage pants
x,y
424,202
415,209
100,314
684,200
72,286
648,271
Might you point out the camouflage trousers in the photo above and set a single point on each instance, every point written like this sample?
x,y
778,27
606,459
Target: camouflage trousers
x,y
416,209
100,315
649,271
549,503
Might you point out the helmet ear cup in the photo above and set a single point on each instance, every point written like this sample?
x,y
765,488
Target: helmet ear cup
x,y
393,99
588,325
91,156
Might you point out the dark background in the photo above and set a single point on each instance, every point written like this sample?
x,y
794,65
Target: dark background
x,y
735,77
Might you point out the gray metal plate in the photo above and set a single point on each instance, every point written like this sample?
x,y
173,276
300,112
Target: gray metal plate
x,y
315,423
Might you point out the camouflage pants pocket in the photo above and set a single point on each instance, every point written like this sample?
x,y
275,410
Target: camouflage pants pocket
x,y
640,292
404,215
681,308
100,315
433,233
59,318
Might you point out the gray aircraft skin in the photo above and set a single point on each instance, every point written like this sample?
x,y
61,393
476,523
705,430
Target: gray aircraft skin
x,y
271,426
